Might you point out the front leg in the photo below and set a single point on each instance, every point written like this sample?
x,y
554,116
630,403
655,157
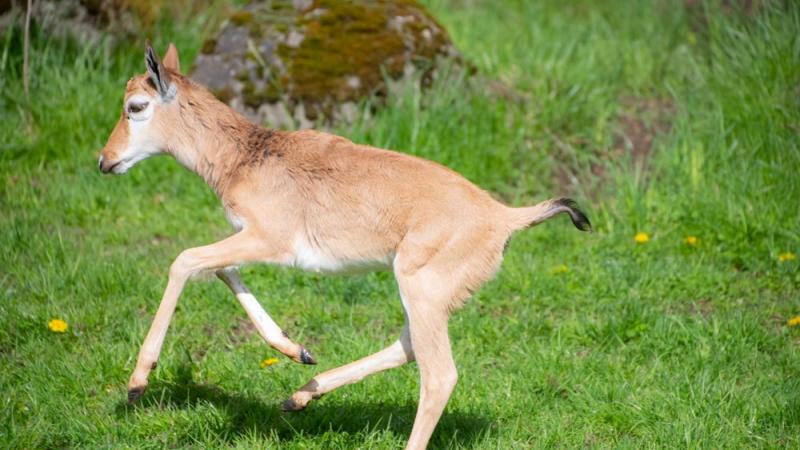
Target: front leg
x,y
235,250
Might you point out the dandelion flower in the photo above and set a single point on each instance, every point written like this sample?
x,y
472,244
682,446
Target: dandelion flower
x,y
641,237
794,321
561,268
57,326
691,240
788,256
268,362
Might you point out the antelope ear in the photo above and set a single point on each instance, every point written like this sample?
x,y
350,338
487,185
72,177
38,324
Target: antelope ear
x,y
158,74
171,61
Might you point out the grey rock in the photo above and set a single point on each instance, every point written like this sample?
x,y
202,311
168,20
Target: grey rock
x,y
291,63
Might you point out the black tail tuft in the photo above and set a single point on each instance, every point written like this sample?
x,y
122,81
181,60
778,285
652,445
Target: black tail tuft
x,y
579,219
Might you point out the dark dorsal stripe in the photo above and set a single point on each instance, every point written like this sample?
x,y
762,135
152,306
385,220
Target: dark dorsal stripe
x,y
258,141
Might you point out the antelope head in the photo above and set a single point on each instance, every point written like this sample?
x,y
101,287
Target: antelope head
x,y
150,102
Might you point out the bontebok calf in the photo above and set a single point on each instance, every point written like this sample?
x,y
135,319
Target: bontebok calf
x,y
321,203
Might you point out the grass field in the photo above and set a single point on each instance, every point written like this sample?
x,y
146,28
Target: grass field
x,y
658,118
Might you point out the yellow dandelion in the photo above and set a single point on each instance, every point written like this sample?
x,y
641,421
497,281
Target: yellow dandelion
x,y
788,256
268,362
691,240
561,268
794,321
641,237
691,38
57,326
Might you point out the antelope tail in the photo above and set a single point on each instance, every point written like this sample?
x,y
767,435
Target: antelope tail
x,y
534,215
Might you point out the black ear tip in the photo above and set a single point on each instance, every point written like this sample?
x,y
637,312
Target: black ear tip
x,y
149,52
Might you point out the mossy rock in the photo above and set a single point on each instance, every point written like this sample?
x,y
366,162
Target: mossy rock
x,y
290,62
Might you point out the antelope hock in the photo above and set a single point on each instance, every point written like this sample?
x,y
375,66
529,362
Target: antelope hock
x,y
322,203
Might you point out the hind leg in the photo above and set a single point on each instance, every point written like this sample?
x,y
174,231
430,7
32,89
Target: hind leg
x,y
438,375
395,355
432,284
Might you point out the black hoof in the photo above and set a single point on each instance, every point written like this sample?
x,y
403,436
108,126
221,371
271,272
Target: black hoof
x,y
291,406
134,394
306,358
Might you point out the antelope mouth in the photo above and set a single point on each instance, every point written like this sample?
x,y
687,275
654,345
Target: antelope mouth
x,y
111,168
116,167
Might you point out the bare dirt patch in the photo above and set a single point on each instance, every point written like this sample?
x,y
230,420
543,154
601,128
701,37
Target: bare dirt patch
x,y
242,331
638,124
703,307
697,13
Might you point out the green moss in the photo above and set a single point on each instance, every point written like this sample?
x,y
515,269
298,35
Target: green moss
x,y
273,92
252,96
256,97
282,6
243,17
264,18
225,94
209,45
350,39
243,75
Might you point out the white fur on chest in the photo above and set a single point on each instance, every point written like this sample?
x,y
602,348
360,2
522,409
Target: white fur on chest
x,y
308,257
236,222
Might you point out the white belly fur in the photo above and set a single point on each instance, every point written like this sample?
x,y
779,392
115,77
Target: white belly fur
x,y
310,258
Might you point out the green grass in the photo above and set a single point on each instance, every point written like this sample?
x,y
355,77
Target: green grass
x,y
635,345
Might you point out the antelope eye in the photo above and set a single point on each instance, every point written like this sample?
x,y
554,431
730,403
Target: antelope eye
x,y
134,108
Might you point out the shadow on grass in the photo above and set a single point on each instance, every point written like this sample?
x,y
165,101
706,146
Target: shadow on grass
x,y
342,421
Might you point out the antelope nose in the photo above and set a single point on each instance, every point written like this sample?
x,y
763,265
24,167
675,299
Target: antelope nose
x,y
106,166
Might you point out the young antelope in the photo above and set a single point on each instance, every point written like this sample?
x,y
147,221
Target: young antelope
x,y
319,202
